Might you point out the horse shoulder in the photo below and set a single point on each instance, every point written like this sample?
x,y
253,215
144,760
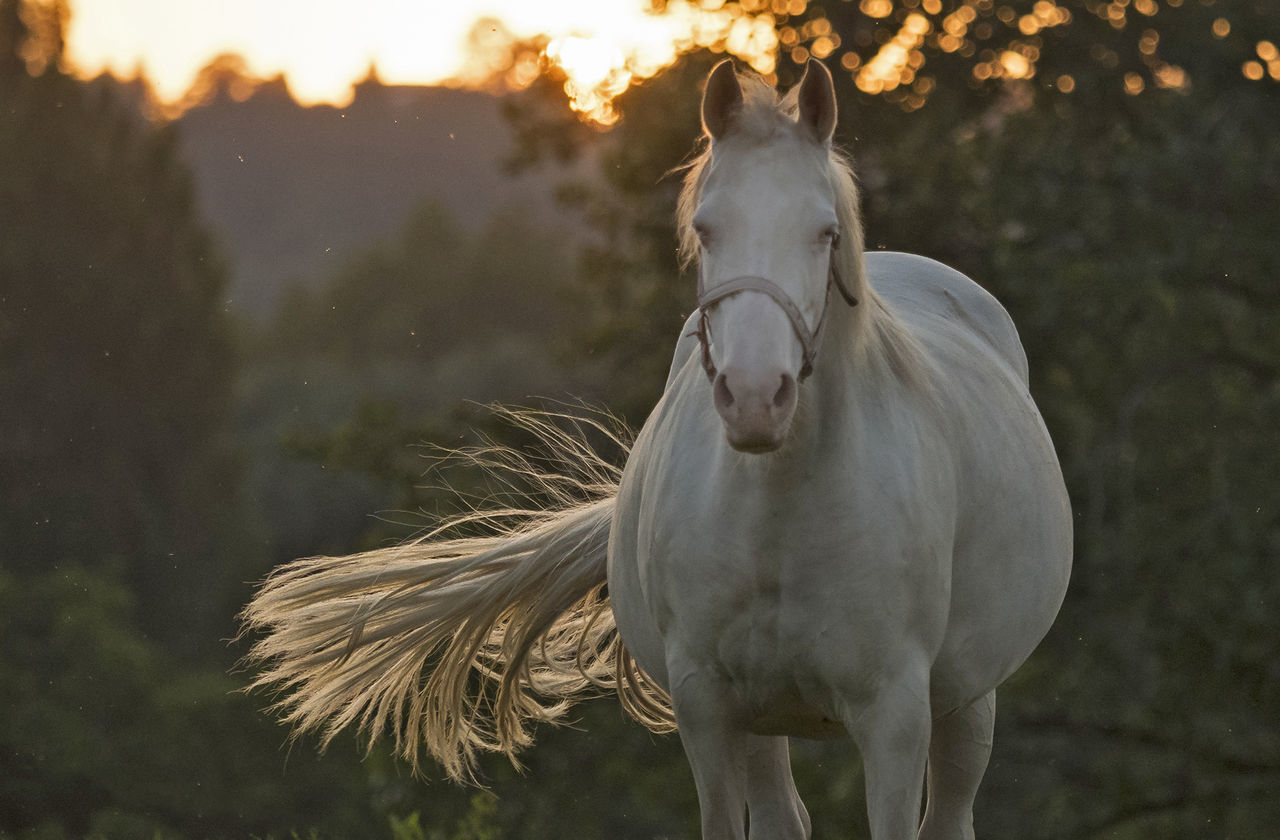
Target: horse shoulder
x,y
916,284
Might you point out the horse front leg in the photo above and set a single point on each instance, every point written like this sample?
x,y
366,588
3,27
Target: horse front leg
x,y
892,732
958,755
718,754
774,809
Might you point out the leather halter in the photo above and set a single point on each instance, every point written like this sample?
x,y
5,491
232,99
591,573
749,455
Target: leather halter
x,y
708,298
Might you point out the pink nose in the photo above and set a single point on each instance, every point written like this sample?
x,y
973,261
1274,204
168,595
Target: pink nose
x,y
756,407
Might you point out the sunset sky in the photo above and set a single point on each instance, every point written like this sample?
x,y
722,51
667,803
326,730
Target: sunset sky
x,y
322,46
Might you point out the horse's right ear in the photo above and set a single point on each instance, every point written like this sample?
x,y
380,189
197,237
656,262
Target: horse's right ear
x,y
722,99
817,101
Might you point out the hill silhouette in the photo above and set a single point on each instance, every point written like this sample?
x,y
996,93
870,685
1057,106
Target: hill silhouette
x,y
292,191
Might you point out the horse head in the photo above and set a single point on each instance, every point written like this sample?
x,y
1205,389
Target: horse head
x,y
764,212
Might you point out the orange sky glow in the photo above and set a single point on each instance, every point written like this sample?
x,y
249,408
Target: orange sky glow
x,y
324,46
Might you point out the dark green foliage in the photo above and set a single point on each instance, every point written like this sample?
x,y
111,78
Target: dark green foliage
x,y
103,736
1160,375
394,350
434,289
117,361
124,542
147,470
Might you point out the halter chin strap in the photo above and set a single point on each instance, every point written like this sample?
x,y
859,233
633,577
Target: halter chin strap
x,y
708,298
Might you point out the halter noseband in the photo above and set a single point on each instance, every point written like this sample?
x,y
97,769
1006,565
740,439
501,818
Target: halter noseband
x,y
708,298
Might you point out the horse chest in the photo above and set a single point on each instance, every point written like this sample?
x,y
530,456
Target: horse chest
x,y
772,621
763,588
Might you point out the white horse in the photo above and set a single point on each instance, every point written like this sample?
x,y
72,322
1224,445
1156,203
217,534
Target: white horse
x,y
844,516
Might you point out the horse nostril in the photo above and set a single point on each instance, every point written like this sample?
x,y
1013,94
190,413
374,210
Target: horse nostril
x,y
723,396
786,391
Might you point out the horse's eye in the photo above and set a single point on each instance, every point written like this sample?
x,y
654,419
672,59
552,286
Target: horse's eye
x,y
831,235
703,233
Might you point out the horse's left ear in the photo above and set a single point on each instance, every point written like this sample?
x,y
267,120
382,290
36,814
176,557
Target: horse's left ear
x,y
817,101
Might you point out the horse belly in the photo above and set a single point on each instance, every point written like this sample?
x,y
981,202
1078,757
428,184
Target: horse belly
x,y
778,688
796,721
1011,564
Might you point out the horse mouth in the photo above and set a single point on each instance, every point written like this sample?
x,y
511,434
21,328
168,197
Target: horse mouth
x,y
754,445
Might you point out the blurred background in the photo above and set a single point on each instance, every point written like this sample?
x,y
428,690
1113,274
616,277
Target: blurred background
x,y
256,260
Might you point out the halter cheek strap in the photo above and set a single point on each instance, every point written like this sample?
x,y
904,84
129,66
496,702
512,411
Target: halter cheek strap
x,y
708,298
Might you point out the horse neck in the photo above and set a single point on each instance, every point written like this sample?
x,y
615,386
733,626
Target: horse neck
x,y
867,358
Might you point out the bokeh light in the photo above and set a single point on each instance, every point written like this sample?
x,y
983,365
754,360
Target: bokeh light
x,y
599,48
601,64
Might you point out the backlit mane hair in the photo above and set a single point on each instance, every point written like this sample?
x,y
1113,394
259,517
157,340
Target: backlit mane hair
x,y
764,117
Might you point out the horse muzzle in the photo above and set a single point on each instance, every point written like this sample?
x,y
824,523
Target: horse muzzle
x,y
756,407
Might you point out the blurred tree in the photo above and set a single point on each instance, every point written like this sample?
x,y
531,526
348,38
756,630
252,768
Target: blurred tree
x,y
629,275
387,352
102,737
123,545
1132,245
1125,216
434,288
117,359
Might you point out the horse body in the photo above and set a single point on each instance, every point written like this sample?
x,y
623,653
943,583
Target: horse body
x,y
844,516
768,563
908,544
